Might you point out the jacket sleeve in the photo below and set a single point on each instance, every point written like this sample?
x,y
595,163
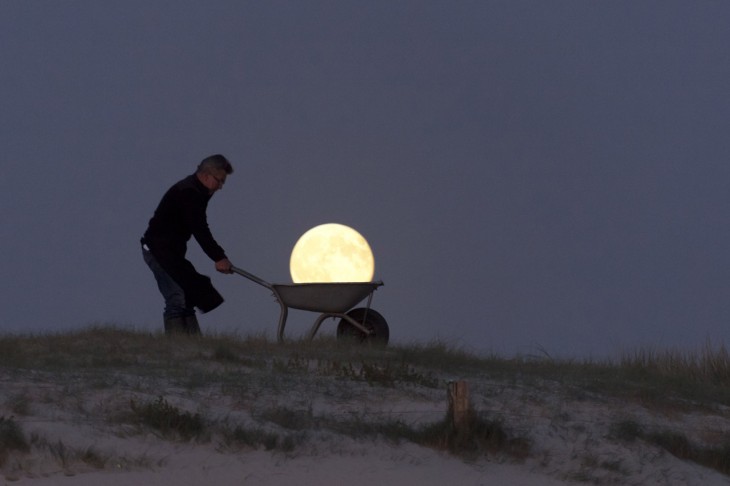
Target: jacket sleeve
x,y
195,207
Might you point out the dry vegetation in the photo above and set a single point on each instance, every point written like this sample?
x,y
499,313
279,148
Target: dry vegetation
x,y
250,393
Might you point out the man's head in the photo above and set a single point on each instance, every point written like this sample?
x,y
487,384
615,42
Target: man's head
x,y
212,172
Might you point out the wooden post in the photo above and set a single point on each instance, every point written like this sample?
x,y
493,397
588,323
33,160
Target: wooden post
x,y
459,407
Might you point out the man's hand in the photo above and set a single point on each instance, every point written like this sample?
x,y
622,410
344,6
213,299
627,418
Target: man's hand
x,y
224,266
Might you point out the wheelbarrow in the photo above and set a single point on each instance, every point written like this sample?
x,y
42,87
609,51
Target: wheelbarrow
x,y
334,300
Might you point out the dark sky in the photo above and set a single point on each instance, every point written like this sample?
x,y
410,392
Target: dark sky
x,y
531,176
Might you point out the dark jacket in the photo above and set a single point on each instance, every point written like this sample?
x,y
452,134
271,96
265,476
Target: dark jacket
x,y
180,215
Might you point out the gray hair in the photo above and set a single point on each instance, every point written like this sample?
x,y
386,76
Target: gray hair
x,y
215,163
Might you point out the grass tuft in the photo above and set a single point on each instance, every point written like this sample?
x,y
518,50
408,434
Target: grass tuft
x,y
168,420
12,438
679,445
258,437
288,418
710,365
478,436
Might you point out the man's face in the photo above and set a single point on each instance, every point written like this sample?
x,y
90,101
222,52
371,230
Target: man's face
x,y
214,180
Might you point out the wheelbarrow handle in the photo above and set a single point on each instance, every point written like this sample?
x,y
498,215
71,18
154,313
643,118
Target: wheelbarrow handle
x,y
252,277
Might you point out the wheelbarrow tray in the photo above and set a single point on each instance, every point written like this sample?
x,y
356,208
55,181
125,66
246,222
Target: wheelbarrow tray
x,y
325,297
330,299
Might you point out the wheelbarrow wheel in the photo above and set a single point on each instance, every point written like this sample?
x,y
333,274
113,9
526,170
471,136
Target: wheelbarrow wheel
x,y
371,320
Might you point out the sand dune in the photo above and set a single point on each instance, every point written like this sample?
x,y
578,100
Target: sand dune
x,y
79,419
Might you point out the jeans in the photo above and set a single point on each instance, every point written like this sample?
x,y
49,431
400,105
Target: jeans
x,y
173,294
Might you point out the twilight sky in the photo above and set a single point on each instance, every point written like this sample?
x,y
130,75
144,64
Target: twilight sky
x,y
532,176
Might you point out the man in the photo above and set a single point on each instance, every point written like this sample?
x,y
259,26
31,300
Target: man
x,y
180,215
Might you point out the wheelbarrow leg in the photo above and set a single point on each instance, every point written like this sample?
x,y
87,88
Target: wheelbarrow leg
x,y
317,323
282,315
284,309
282,318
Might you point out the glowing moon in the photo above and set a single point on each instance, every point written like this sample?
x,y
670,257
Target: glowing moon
x,y
332,253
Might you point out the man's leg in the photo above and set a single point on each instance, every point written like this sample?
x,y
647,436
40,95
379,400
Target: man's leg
x,y
176,312
174,325
191,325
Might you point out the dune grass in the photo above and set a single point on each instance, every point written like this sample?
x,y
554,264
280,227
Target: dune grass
x,y
243,369
12,438
662,378
676,443
168,419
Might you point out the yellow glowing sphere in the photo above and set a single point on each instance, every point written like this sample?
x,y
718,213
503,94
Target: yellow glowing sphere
x,y
331,253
